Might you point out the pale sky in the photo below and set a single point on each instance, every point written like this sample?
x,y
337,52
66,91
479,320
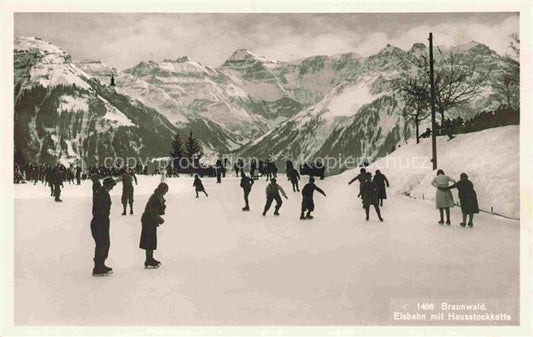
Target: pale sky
x,y
124,39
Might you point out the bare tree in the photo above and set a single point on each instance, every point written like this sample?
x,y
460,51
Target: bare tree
x,y
457,81
507,88
416,97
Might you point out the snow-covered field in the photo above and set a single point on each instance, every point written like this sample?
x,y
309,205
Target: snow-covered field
x,y
222,266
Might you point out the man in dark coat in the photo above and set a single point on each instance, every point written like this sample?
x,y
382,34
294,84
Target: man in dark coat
x,y
127,189
294,176
467,198
198,186
78,175
57,182
268,170
96,182
246,184
253,168
100,227
150,220
381,180
49,179
219,171
308,203
272,193
369,193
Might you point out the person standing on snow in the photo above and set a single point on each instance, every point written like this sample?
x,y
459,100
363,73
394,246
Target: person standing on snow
x,y
444,197
198,185
381,180
467,198
369,193
294,176
100,227
246,184
150,220
308,203
272,193
127,189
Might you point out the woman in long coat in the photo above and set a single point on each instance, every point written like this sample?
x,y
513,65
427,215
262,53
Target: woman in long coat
x,y
369,194
151,219
381,180
467,198
443,198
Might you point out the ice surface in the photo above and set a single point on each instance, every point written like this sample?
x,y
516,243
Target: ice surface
x,y
222,266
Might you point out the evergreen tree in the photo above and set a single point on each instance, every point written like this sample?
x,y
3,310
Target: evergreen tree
x,y
193,150
177,151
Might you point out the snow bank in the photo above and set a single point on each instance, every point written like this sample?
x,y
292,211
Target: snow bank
x,y
489,157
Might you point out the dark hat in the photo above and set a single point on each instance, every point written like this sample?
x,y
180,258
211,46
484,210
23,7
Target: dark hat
x,y
273,180
108,181
311,179
95,176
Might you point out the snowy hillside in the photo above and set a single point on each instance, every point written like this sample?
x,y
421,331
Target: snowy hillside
x,y
63,113
490,158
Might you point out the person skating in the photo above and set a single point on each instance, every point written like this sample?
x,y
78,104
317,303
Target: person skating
x,y
246,184
219,172
57,181
198,185
150,220
272,193
127,189
49,180
100,227
95,178
381,181
78,175
467,198
294,176
369,193
253,168
308,203
443,198
361,177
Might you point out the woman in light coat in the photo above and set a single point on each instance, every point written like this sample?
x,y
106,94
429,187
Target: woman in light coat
x,y
443,198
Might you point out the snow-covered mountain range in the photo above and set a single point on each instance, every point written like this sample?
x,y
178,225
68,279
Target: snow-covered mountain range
x,y
323,105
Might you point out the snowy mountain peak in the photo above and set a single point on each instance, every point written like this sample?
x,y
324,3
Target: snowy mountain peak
x,y
468,45
27,43
245,56
418,46
390,49
181,59
242,54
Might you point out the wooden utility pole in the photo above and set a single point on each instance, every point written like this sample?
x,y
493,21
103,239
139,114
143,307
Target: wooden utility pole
x,y
433,123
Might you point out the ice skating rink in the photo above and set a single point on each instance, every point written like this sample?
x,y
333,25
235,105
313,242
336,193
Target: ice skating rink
x,y
222,266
